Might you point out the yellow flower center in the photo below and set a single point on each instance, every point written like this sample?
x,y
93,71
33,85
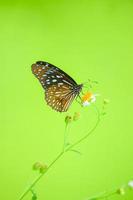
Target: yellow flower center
x,y
87,97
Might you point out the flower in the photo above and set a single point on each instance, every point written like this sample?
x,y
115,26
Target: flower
x,y
130,184
88,98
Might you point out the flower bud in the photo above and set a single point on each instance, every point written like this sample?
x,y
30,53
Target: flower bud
x,y
76,116
34,197
68,119
106,101
40,166
37,166
43,168
121,191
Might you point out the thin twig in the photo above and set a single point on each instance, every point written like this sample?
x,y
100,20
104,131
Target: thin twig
x,y
89,133
61,154
40,176
65,138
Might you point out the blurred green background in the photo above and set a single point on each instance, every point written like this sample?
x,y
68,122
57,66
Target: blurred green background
x,y
87,39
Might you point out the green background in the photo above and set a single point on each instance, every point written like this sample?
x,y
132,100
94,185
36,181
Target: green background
x,y
87,39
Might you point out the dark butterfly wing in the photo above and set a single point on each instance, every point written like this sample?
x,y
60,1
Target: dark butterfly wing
x,y
49,74
60,88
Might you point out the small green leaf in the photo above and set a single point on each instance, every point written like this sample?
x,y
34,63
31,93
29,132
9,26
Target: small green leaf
x,y
75,151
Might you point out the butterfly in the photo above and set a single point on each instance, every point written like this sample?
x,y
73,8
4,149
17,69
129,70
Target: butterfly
x,y
60,88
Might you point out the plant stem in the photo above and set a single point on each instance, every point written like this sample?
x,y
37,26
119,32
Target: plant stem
x,y
104,195
89,133
61,154
40,176
65,138
107,195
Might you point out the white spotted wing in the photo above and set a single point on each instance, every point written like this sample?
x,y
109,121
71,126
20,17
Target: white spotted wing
x,y
60,88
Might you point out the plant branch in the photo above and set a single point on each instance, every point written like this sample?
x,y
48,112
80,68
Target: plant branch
x,y
65,138
40,176
29,189
121,190
89,133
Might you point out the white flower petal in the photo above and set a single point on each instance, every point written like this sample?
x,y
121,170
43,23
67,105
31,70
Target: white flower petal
x,y
86,103
93,99
130,184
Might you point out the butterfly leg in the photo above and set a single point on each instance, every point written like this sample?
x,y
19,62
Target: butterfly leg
x,y
80,102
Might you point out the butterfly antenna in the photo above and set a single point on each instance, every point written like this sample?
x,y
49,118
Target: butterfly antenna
x,y
89,83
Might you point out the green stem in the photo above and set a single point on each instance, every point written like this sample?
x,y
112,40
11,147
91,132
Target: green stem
x,y
89,133
61,154
40,176
65,138
104,195
108,195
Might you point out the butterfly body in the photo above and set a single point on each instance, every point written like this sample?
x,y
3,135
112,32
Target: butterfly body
x,y
60,88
